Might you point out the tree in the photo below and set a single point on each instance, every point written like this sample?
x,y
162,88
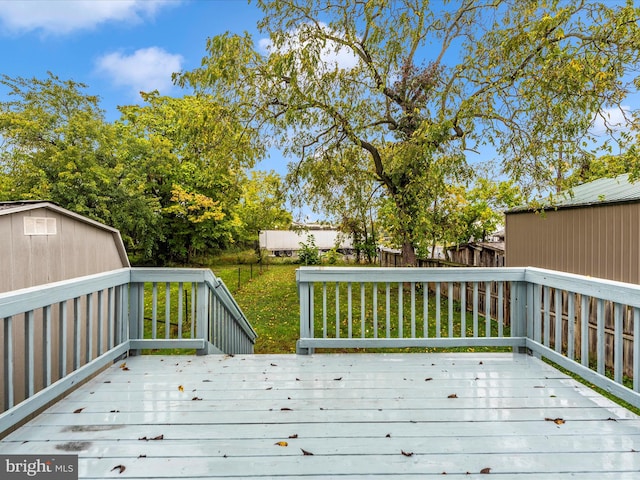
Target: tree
x,y
344,190
58,147
261,206
192,154
410,85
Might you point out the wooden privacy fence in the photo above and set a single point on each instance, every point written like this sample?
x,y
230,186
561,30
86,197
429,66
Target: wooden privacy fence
x,y
608,310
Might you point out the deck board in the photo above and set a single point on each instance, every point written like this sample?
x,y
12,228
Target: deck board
x,y
221,417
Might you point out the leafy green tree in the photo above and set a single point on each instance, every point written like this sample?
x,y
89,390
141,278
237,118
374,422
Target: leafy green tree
x,y
57,146
261,206
414,87
193,155
344,190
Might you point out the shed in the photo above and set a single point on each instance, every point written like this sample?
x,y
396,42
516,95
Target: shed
x,y
593,229
41,242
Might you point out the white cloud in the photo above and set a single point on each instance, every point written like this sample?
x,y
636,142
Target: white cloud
x,y
145,70
66,16
332,55
614,119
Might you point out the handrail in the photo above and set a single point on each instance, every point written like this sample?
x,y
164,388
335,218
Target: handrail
x,y
56,335
584,324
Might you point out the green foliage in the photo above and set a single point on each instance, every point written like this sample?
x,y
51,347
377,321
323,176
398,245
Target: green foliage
x,y
413,109
331,257
170,174
309,253
261,207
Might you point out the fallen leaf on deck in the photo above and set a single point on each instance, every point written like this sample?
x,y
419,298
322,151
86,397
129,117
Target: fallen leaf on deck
x,y
282,444
181,388
123,365
114,411
295,435
142,456
610,419
304,452
196,398
406,454
78,410
557,421
159,437
485,470
284,409
453,395
338,379
428,379
120,468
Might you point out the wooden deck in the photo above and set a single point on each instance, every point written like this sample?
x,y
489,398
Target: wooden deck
x,y
349,415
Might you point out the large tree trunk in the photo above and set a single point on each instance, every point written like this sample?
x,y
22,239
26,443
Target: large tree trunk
x,y
409,258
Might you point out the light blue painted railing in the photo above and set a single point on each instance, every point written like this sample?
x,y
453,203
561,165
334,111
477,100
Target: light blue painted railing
x,y
56,335
583,324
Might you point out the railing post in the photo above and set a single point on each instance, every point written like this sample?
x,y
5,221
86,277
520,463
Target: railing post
x,y
306,314
519,311
136,313
202,316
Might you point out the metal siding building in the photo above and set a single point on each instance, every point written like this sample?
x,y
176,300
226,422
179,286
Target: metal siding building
x,y
41,242
592,230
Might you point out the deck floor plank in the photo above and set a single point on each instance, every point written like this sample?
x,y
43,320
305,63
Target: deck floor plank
x,y
222,417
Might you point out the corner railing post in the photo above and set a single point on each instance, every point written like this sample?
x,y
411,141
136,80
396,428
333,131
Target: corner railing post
x,y
306,314
136,313
202,315
519,311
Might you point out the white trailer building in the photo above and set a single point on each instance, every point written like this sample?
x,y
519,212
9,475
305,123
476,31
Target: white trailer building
x,y
287,242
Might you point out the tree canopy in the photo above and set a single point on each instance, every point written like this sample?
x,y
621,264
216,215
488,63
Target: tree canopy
x,y
417,86
172,174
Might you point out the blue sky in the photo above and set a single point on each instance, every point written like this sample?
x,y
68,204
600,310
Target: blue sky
x,y
120,47
116,47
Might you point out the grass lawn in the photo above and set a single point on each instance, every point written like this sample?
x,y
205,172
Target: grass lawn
x,y
270,302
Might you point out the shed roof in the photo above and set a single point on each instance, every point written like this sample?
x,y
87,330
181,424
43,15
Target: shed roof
x,y
599,192
8,208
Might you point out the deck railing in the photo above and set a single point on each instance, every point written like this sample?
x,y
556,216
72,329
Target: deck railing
x,y
583,324
57,335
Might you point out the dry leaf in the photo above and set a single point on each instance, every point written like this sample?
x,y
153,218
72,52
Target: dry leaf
x,y
159,437
78,410
295,435
282,444
428,379
304,452
181,388
453,395
120,468
338,379
123,365
196,398
485,470
557,421
284,409
406,454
